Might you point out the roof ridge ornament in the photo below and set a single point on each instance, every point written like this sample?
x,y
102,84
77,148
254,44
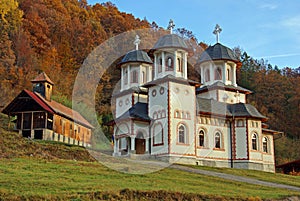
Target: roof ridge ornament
x,y
171,26
217,31
137,41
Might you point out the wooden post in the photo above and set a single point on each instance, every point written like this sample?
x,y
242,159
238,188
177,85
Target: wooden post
x,y
8,125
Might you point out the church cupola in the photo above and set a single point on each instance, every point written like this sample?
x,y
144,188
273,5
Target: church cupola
x,y
136,68
170,55
218,63
43,85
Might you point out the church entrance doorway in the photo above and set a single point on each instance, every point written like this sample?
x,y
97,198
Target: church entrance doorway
x,y
140,143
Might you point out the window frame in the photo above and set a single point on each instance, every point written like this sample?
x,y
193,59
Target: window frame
x,y
254,139
265,145
218,144
182,134
201,141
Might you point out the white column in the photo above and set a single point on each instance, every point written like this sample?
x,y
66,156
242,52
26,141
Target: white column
x,y
149,73
234,75
163,63
211,72
224,73
175,63
31,129
155,67
132,143
185,65
122,79
128,76
202,74
146,145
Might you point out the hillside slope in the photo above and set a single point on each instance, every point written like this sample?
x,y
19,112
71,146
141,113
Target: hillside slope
x,y
13,145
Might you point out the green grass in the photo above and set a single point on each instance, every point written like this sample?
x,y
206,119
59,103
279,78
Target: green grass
x,y
40,178
264,176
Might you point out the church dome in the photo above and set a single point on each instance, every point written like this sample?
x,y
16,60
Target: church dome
x,y
136,56
170,41
217,52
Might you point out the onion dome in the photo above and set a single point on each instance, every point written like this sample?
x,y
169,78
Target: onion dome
x,y
217,52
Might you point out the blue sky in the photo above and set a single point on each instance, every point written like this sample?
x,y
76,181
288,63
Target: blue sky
x,y
264,29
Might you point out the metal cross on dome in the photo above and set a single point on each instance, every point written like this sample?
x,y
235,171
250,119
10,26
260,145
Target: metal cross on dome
x,y
171,26
217,31
137,41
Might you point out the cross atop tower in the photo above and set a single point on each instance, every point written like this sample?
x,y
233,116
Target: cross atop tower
x,y
217,31
171,26
137,41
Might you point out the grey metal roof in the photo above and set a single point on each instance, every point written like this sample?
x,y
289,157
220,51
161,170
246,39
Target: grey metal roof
x,y
171,78
217,52
136,56
139,111
221,85
138,90
170,41
214,107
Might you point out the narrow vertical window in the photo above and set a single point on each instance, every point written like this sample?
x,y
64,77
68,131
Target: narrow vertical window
x,y
160,65
218,140
181,134
201,138
207,75
228,74
218,74
125,77
179,64
254,141
134,78
169,64
265,145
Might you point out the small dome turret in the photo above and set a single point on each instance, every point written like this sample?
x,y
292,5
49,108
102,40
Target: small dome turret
x,y
217,52
136,56
170,41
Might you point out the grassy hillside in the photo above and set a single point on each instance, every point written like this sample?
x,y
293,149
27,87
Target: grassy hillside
x,y
39,170
31,178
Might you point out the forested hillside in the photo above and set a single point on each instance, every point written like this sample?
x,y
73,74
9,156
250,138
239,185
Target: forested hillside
x,y
56,36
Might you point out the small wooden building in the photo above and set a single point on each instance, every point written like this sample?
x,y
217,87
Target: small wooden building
x,y
292,167
39,117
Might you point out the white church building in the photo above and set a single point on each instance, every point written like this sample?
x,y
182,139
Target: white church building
x,y
161,114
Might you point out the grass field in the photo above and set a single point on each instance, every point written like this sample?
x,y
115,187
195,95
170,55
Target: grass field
x,y
31,178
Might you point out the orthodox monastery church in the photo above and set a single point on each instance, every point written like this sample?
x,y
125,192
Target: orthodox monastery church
x,y
160,113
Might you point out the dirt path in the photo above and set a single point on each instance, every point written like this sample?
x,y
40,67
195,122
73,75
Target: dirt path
x,y
234,177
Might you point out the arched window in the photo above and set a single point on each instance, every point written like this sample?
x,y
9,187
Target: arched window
x,y
134,77
143,77
265,145
207,75
177,114
218,140
179,63
254,141
182,134
160,65
201,138
157,134
218,74
169,64
228,74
